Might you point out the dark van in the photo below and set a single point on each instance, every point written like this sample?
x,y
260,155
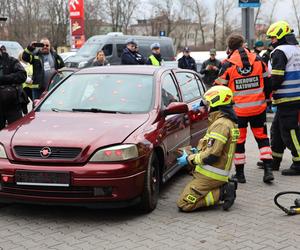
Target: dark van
x,y
113,44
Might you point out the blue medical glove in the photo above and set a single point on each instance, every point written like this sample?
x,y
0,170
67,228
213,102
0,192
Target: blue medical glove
x,y
182,160
194,150
195,106
274,109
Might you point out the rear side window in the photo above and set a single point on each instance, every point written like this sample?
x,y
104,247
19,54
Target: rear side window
x,y
189,86
107,49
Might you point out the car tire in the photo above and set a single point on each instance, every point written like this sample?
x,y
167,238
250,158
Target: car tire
x,y
151,185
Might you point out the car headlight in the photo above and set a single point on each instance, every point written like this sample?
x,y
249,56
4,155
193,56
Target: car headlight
x,y
2,152
116,153
82,64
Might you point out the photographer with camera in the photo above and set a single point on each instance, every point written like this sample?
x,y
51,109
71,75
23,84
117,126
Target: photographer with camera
x,y
12,75
45,61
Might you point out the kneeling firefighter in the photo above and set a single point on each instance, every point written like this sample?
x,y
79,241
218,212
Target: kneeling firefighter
x,y
213,156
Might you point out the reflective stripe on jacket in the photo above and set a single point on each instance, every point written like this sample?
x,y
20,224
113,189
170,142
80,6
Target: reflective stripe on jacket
x,y
220,140
289,90
244,74
154,61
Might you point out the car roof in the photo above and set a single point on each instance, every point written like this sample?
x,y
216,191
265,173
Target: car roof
x,y
120,69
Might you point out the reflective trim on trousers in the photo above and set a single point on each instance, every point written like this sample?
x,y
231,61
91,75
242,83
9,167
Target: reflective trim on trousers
x,y
295,141
209,199
278,155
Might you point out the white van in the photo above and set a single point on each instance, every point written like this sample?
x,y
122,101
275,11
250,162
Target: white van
x,y
113,44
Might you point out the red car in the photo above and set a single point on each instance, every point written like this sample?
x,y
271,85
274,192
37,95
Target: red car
x,y
105,137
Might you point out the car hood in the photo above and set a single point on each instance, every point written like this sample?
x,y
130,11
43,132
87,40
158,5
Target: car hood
x,y
76,129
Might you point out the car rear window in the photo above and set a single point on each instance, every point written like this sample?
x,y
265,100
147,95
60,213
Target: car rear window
x,y
109,92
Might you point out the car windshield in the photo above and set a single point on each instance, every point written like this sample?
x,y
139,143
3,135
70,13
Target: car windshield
x,y
108,93
89,49
58,77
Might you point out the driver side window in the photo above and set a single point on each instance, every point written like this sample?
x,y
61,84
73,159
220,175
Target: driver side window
x,y
169,91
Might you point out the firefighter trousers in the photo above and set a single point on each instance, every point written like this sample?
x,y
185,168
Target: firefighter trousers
x,y
285,133
201,191
259,130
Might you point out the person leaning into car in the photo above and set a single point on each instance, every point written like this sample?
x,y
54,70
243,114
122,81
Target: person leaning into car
x,y
45,61
12,75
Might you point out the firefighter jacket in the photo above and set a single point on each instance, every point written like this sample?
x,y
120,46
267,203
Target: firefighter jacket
x,y
248,78
217,148
285,61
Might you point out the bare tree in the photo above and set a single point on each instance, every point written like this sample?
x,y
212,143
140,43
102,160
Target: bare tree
x,y
226,6
201,12
128,7
271,15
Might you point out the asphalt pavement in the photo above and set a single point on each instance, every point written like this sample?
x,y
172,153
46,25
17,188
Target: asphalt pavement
x,y
254,222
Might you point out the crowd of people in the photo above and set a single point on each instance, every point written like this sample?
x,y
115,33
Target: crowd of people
x,y
238,90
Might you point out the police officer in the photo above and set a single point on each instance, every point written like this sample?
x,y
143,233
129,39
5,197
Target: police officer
x,y
213,156
12,75
155,59
210,68
186,61
285,61
45,61
130,55
247,76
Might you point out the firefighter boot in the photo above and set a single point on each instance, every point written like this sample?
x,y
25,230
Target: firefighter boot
x,y
276,163
239,176
228,195
293,170
268,175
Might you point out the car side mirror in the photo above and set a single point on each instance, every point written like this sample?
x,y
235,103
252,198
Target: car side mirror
x,y
176,108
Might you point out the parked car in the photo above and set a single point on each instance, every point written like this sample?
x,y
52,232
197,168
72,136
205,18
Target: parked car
x,y
111,141
66,55
13,48
113,44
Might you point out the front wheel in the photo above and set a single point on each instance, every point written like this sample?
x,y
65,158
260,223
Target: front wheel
x,y
151,185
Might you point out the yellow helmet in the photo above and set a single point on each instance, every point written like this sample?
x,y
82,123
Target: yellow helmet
x,y
279,29
218,96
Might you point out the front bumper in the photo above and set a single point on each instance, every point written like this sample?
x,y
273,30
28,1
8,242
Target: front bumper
x,y
99,185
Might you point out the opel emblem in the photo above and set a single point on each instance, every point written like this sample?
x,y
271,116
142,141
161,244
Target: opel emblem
x,y
45,152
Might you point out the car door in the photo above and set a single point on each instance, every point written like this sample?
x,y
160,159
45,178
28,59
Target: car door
x,y
176,129
192,90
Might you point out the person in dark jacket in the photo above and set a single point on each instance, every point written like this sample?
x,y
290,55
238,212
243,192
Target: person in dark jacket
x,y
12,75
130,55
210,68
155,59
186,61
100,59
45,61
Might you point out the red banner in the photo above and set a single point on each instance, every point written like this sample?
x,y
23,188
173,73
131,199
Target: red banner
x,y
77,27
76,8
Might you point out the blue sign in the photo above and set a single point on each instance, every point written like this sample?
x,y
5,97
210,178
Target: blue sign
x,y
249,3
162,33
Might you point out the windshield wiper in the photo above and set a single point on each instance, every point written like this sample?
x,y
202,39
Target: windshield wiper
x,y
96,110
59,110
